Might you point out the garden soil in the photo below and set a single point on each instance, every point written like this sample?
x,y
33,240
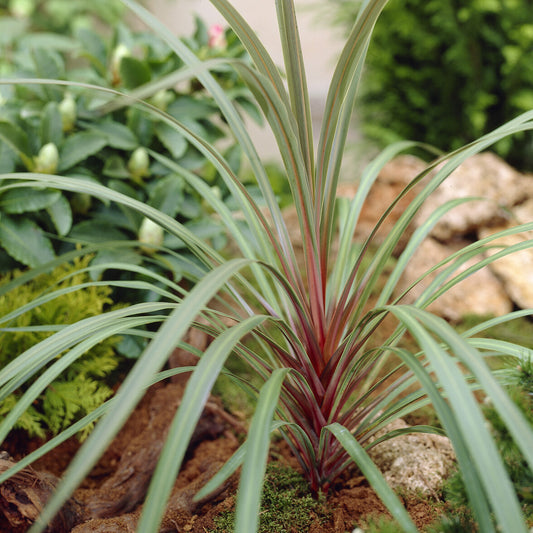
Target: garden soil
x,y
110,499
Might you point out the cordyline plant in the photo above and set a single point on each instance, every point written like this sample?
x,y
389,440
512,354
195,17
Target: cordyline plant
x,y
325,386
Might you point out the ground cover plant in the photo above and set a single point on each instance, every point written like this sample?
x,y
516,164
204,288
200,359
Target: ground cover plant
x,y
285,504
324,388
86,384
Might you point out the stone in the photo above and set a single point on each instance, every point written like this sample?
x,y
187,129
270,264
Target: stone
x,y
484,175
515,271
392,179
481,293
416,462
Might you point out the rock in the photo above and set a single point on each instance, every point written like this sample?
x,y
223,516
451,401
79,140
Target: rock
x,y
416,462
392,179
484,175
481,293
515,271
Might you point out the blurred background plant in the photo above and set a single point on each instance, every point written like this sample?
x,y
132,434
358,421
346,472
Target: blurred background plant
x,y
445,72
52,128
59,16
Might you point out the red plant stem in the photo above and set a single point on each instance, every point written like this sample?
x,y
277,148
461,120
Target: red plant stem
x,y
344,364
306,409
304,325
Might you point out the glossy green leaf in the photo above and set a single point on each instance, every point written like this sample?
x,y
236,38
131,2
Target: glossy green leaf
x,y
78,147
171,139
14,137
191,108
96,231
117,134
25,241
47,64
51,41
167,195
16,201
61,215
134,72
93,48
115,167
7,158
11,28
51,125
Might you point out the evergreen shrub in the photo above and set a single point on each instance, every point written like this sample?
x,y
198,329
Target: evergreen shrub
x,y
445,72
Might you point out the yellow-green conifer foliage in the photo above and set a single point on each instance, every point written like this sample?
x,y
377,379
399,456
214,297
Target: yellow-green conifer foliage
x,y
84,385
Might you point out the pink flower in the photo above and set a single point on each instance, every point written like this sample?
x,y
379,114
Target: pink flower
x,y
216,36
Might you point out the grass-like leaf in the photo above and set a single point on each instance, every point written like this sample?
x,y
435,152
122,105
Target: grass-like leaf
x,y
373,475
191,407
132,388
254,465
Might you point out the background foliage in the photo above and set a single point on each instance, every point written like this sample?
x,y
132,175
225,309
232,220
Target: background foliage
x,y
52,129
63,16
447,71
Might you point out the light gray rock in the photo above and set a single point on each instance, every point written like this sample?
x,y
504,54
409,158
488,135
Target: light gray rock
x,y
480,293
515,270
417,462
486,176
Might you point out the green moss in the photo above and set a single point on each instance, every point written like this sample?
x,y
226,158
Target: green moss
x,y
460,522
84,385
286,504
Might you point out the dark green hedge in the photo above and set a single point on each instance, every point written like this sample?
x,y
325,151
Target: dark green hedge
x,y
447,71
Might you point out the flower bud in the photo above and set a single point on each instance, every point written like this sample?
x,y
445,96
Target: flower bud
x,y
67,109
138,164
21,8
47,159
216,37
119,52
162,98
151,234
